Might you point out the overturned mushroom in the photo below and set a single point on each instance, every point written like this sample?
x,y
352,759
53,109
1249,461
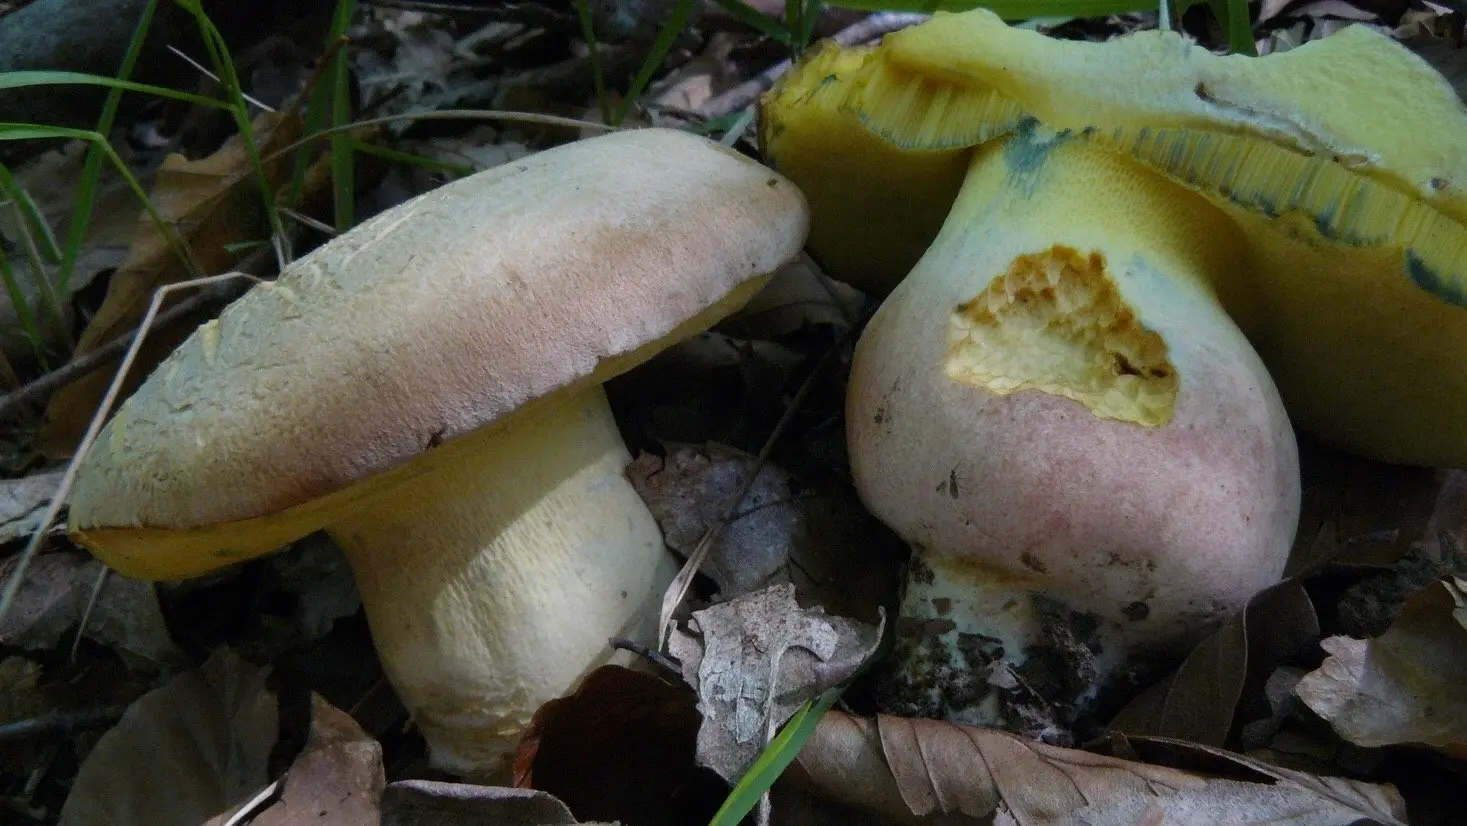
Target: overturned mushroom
x,y
427,389
1342,164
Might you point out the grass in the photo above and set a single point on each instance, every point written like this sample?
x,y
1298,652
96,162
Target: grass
x,y
329,101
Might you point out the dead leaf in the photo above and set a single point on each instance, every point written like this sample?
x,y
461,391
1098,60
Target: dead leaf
x,y
1200,702
23,502
913,770
621,747
212,202
53,598
181,753
1406,686
335,781
818,538
798,296
317,573
430,803
754,661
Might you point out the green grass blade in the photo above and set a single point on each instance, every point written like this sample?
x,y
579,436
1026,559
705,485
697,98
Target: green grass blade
x,y
1007,9
43,77
91,175
756,20
343,170
23,311
676,20
320,99
809,16
775,758
1239,26
598,77
32,132
35,221
398,156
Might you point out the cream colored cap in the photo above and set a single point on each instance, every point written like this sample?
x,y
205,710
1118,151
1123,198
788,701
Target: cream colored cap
x,y
435,319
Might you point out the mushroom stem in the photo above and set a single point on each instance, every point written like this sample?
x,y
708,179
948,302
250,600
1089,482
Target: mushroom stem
x,y
1087,457
492,585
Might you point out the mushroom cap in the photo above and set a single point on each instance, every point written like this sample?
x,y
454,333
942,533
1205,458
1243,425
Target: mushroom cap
x,y
1344,161
439,318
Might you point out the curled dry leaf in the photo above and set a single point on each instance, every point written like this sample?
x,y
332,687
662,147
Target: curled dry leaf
x,y
1201,701
913,770
1406,686
23,502
798,295
336,780
754,661
181,753
53,599
816,538
620,748
431,803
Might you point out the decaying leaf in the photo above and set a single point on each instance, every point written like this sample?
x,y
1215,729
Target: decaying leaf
x,y
620,748
181,753
913,770
797,296
336,780
1200,701
23,502
754,661
430,803
1408,685
212,202
784,532
53,599
319,575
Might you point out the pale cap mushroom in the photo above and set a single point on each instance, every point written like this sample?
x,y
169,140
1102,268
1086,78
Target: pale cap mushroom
x,y
427,389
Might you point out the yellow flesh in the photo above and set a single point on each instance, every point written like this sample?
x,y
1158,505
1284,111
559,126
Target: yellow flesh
x,y
1056,323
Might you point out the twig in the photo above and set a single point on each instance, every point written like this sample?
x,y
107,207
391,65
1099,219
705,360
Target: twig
x,y
81,625
62,721
678,589
746,93
653,656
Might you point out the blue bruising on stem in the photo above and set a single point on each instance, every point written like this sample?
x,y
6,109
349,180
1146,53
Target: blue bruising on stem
x,y
1452,291
1025,153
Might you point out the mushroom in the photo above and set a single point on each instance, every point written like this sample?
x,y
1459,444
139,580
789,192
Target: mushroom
x,y
1087,457
1341,163
427,389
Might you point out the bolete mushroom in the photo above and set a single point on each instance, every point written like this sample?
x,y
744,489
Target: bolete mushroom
x,y
1089,460
427,389
1342,163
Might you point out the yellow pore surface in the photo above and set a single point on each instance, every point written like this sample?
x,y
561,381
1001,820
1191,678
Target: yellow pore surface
x,y
1055,322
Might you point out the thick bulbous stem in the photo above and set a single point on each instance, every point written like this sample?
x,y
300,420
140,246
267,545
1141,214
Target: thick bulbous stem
x,y
1056,411
493,586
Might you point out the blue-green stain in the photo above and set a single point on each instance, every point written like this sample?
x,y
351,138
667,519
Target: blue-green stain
x,y
1025,154
1450,290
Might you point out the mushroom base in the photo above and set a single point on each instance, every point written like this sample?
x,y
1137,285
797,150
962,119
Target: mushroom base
x,y
978,647
493,585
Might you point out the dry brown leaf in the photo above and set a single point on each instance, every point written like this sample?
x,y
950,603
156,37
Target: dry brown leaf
x,y
211,202
1200,702
430,803
620,748
754,661
797,296
1406,686
181,753
819,539
23,502
54,596
335,781
913,770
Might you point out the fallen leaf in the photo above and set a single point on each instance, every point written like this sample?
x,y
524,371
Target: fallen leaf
x,y
431,803
212,202
622,748
335,781
1200,702
797,296
914,770
1408,685
754,661
317,573
181,753
54,597
817,538
23,502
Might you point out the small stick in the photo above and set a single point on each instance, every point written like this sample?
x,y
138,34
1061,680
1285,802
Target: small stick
x,y
746,93
655,657
63,721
